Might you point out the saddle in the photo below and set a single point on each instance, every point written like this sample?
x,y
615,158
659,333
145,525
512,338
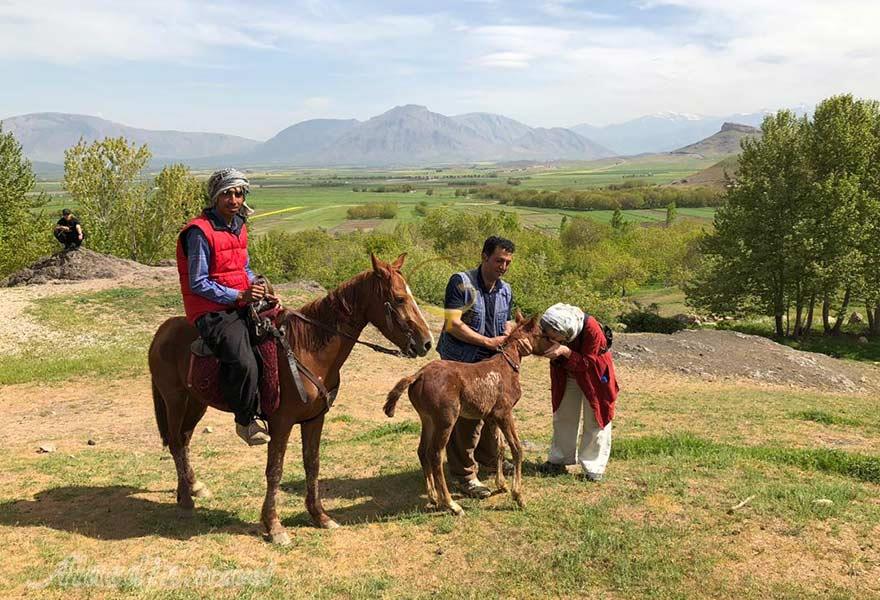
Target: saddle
x,y
203,374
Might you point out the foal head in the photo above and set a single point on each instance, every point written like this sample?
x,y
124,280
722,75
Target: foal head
x,y
394,311
528,329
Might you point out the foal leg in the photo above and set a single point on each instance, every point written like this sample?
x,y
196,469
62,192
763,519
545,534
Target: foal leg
x,y
424,444
500,482
440,437
507,426
280,432
311,443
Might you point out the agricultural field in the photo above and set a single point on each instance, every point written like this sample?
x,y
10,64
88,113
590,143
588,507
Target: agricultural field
x,y
720,487
300,199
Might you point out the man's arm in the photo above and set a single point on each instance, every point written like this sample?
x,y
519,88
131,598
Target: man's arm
x,y
455,300
79,231
197,254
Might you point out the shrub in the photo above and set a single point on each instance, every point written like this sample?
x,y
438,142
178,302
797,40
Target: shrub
x,y
648,321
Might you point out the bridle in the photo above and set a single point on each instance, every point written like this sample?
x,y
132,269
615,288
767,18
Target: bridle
x,y
502,351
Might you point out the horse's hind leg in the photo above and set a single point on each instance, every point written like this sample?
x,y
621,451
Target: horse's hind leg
x,y
436,447
175,402
424,444
507,426
194,412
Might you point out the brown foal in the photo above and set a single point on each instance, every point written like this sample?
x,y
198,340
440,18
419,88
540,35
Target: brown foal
x,y
379,296
444,390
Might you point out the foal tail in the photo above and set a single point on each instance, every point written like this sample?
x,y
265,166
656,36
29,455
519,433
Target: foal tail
x,y
395,394
161,415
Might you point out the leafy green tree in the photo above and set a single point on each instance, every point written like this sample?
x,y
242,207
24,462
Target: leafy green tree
x,y
617,222
757,258
104,179
25,234
178,197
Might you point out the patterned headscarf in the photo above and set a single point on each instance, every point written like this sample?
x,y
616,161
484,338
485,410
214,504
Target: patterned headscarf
x,y
226,179
565,319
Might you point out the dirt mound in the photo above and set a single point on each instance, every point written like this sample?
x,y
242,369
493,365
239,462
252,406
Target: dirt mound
x,y
78,265
712,355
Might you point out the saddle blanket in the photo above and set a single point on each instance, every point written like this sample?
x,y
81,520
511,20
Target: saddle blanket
x,y
204,377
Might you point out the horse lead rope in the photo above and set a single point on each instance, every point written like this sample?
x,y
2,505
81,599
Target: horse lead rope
x,y
334,330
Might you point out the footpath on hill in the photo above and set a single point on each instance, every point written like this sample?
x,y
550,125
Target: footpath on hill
x,y
705,354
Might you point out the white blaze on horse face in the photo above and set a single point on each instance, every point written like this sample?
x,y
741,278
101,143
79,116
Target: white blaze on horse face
x,y
421,316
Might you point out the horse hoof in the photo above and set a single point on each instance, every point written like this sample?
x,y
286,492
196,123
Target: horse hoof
x,y
456,509
280,538
329,524
199,490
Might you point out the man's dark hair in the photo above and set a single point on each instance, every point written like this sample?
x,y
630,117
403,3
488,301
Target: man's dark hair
x,y
494,241
65,212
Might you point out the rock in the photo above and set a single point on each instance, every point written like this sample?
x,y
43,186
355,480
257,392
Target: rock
x,y
863,340
856,318
687,319
91,442
46,448
208,429
823,502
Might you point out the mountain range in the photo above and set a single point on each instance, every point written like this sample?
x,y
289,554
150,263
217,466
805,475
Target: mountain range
x,y
404,135
668,131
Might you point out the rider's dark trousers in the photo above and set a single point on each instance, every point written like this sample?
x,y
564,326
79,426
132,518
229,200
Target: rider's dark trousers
x,y
226,333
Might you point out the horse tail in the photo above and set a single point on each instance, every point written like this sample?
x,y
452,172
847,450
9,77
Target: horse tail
x,y
161,415
394,394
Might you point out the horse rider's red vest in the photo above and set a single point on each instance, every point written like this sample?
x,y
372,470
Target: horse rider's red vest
x,y
225,265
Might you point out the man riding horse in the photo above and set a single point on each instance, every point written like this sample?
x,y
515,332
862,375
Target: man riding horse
x,y
217,285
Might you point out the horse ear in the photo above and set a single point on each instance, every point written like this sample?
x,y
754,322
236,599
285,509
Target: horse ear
x,y
379,267
518,316
397,264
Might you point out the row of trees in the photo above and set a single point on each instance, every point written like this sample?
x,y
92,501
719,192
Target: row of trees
x,y
373,210
798,238
626,198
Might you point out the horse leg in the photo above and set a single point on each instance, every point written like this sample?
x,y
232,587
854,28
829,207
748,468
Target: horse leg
x,y
437,444
311,446
175,411
194,412
280,432
424,443
507,426
500,482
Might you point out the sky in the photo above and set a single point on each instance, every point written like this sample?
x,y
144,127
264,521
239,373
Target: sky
x,y
253,68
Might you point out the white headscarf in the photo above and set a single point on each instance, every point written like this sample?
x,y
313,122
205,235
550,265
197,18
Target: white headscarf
x,y
564,319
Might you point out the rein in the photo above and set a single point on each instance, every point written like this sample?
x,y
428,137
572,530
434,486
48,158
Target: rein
x,y
513,365
335,331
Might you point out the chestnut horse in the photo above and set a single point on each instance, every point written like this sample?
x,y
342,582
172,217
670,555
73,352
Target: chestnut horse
x,y
379,296
443,390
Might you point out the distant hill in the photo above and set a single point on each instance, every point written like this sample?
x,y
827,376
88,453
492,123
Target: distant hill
x,y
303,141
714,176
414,135
724,143
45,136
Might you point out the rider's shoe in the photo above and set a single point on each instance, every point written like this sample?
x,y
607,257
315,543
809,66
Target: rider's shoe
x,y
254,434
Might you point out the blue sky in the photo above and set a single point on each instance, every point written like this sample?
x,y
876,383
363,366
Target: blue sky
x,y
253,68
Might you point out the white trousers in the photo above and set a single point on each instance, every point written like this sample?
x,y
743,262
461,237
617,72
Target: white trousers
x,y
595,447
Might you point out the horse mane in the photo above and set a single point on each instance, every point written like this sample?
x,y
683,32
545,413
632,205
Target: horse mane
x,y
333,309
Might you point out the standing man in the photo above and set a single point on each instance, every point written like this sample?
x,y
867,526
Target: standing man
x,y
478,314
217,285
68,231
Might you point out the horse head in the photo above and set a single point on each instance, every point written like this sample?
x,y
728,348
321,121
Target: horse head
x,y
394,311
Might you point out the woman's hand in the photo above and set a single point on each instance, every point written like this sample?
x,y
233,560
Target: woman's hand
x,y
557,351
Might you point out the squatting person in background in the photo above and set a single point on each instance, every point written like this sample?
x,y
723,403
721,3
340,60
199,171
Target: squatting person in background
x,y
68,231
217,285
582,381
478,319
